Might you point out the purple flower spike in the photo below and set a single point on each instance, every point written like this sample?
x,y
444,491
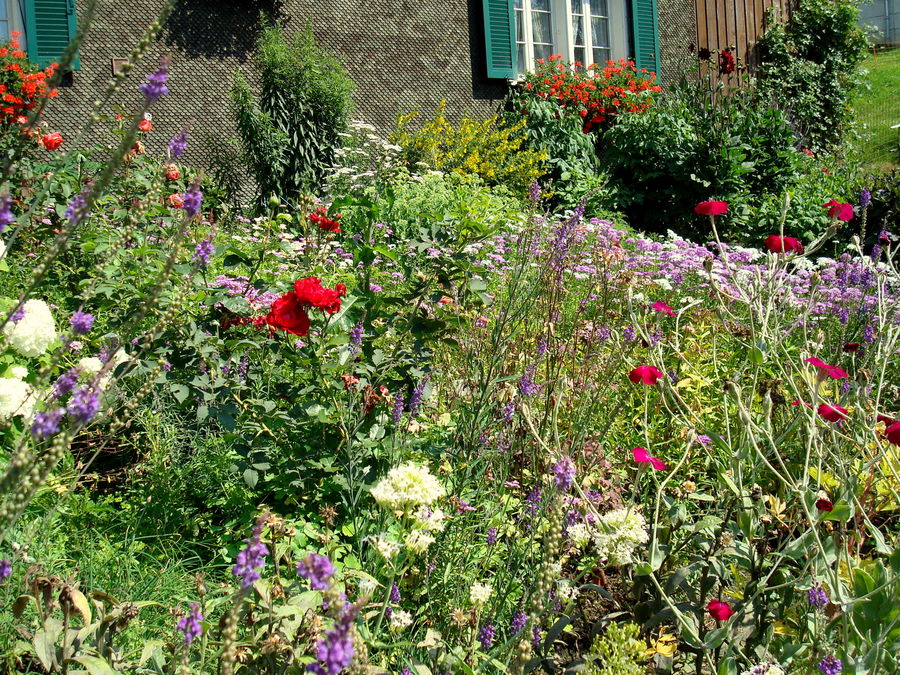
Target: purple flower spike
x,y
81,322
193,199
83,405
318,569
518,622
190,624
486,636
830,665
252,559
155,86
817,596
5,569
564,474
203,251
178,143
46,424
6,214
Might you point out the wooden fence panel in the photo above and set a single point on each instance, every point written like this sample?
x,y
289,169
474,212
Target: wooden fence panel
x,y
735,25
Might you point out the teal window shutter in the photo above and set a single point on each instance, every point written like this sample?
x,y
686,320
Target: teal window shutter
x,y
49,27
500,38
646,35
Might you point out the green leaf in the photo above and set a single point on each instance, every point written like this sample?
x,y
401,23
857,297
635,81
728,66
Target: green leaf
x,y
95,665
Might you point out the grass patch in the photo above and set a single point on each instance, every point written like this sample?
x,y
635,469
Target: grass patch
x,y
879,108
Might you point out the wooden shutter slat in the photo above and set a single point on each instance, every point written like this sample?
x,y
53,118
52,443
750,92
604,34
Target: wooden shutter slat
x,y
500,38
646,35
49,27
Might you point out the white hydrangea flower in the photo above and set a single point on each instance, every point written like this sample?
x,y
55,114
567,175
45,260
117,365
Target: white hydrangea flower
x,y
580,534
2,249
407,486
34,332
19,372
418,541
400,620
387,548
479,594
15,398
90,365
663,283
620,533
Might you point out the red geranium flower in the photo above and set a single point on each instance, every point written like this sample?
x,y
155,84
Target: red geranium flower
x,y
645,374
711,208
720,611
825,370
778,244
288,313
727,62
660,306
641,456
851,347
52,141
838,210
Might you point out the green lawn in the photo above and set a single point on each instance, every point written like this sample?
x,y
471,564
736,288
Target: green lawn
x,y
879,108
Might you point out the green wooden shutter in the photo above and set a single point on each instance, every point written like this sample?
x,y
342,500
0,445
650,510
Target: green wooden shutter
x,y
646,35
500,38
49,27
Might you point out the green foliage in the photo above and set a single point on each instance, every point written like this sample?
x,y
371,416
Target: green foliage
x,y
290,132
617,652
810,68
700,142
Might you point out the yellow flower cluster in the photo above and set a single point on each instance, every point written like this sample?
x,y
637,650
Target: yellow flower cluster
x,y
496,153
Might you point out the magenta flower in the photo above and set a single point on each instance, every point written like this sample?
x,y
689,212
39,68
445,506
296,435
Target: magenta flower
x,y
641,456
711,208
825,370
645,375
838,210
660,306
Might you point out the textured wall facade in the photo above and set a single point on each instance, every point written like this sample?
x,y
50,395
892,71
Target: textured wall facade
x,y
403,55
677,37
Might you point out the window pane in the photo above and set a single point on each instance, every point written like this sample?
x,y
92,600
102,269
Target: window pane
x,y
520,26
4,30
519,4
540,5
543,51
520,52
579,55
540,27
577,7
599,8
599,31
601,56
578,30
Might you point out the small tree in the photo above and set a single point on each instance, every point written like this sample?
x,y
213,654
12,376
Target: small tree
x,y
290,132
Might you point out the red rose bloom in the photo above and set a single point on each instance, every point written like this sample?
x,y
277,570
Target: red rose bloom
x,y
287,313
172,172
52,141
145,125
824,504
720,611
711,208
176,201
778,244
311,294
837,210
645,374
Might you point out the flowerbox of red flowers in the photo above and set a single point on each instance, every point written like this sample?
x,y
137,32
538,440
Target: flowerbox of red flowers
x,y
596,94
22,83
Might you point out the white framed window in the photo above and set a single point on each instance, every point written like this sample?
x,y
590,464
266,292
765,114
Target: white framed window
x,y
583,31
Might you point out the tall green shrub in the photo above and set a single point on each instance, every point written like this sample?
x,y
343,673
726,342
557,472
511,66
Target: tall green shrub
x,y
810,66
289,133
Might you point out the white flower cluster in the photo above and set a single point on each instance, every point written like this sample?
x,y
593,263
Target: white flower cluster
x,y
16,397
767,668
619,534
33,333
407,487
400,620
479,594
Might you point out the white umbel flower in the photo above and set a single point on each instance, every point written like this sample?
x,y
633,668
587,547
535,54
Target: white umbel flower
x,y
418,541
479,594
407,486
400,620
619,534
386,547
34,332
